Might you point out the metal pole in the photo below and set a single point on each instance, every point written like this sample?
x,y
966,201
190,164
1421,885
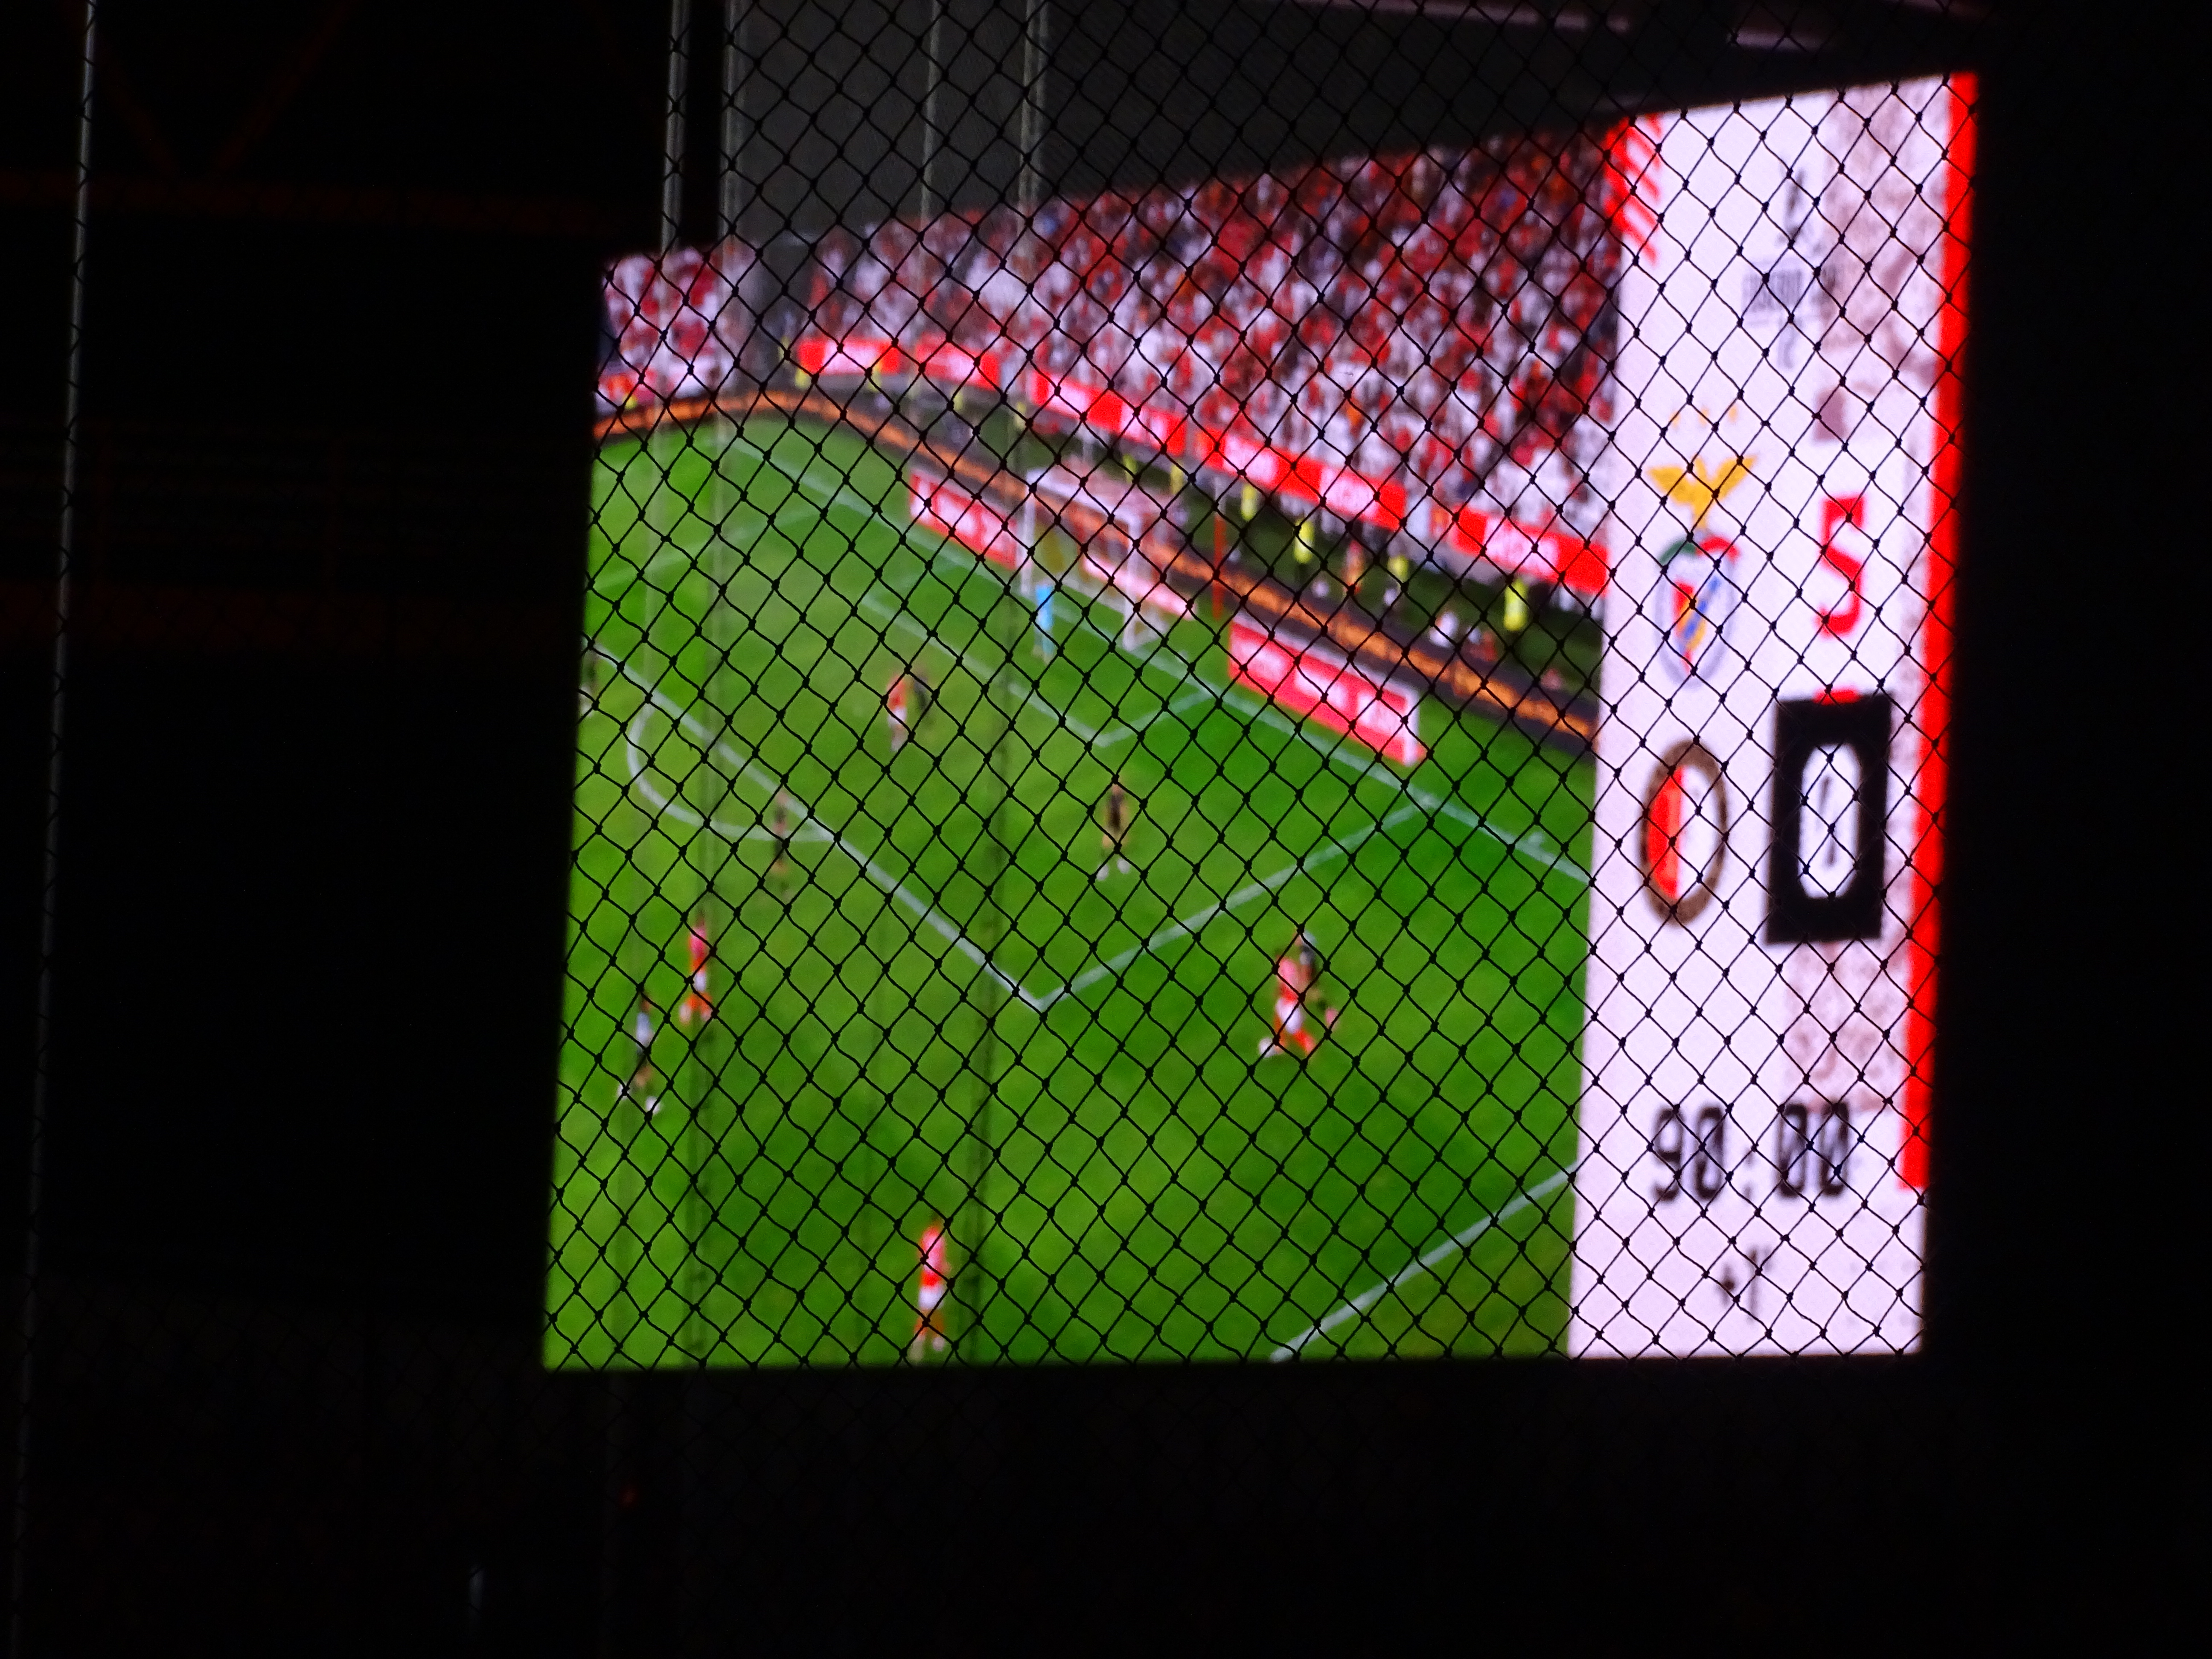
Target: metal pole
x,y
1007,691
679,75
734,117
1035,22
933,51
42,1064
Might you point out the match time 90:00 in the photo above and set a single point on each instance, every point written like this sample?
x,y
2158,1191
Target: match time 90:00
x,y
1809,1156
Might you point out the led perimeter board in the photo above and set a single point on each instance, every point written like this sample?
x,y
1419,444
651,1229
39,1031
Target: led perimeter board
x,y
1346,762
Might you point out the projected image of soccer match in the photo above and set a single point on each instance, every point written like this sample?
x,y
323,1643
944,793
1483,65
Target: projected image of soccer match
x,y
1336,762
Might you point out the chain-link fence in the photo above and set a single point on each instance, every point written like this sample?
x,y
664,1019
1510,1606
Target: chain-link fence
x,y
1315,737
1266,683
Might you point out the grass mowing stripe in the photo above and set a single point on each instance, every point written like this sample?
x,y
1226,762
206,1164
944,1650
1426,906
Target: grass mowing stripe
x,y
664,807
1531,843
1274,1193
1421,1264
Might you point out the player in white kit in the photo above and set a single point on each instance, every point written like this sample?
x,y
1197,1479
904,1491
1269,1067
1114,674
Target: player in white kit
x,y
1041,590
644,1081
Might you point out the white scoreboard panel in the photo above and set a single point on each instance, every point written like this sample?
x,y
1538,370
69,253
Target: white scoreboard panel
x,y
1781,470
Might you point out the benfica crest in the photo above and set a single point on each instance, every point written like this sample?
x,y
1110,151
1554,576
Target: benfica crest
x,y
1698,589
1697,595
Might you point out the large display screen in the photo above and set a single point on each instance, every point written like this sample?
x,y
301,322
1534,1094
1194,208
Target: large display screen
x,y
1346,762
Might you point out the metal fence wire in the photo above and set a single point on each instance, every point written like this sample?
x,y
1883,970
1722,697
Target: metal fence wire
x,y
1247,694
1266,683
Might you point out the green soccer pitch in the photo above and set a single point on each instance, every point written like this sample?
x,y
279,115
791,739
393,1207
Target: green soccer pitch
x,y
939,1012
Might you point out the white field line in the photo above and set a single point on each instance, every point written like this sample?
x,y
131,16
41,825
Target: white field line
x,y
690,557
1327,854
672,551
759,521
838,487
1458,1242
839,493
1531,844
666,808
1123,732
921,909
876,607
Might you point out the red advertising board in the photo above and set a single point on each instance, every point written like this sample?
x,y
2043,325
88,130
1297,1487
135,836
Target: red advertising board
x,y
1322,686
979,524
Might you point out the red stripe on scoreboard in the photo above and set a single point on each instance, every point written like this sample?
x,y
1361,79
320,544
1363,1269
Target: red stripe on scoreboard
x,y
1935,714
1322,686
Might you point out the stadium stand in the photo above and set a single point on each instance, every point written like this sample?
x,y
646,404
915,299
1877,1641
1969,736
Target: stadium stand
x,y
1419,343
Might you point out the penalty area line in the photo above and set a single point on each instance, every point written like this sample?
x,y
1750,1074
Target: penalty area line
x,y
1314,860
1531,844
674,552
921,909
1460,1241
836,487
1114,735
870,604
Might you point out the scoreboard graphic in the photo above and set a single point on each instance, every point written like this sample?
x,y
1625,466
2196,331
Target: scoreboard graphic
x,y
1753,1114
1343,762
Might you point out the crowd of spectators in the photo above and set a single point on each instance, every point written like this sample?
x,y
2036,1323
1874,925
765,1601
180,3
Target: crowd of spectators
x,y
1425,341
676,324
1439,321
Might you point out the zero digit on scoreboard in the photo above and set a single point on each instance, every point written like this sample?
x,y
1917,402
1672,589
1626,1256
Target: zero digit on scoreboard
x,y
1812,1149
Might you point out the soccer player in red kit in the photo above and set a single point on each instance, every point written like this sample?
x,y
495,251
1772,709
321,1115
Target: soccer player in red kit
x,y
698,1001
898,707
930,1290
1295,977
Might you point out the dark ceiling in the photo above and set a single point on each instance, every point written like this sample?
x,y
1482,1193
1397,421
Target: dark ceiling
x,y
551,115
